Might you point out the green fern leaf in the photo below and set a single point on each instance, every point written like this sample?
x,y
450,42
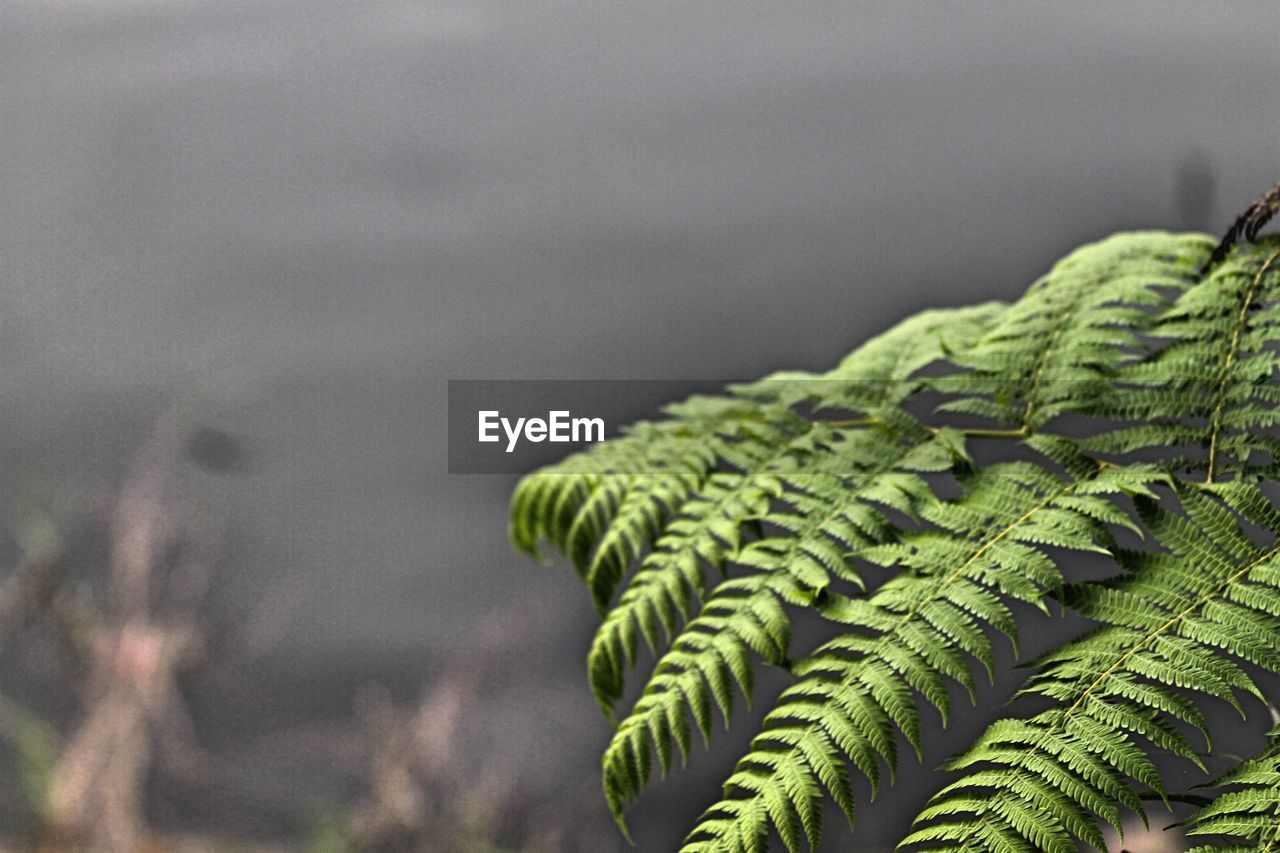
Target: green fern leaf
x,y
837,517
1206,392
1058,346
1247,810
1175,622
706,530
915,634
1127,374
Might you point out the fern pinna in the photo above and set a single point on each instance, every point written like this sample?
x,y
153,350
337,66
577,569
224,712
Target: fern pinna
x,y
1247,810
1126,405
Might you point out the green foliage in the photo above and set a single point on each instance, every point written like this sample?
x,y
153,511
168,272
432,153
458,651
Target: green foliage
x,y
1248,809
925,498
1205,398
1177,622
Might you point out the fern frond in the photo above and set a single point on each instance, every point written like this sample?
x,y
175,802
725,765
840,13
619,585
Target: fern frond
x,y
706,530
1046,355
1209,387
1055,349
1246,815
825,518
671,580
1176,622
881,373
547,503
739,510
604,506
916,633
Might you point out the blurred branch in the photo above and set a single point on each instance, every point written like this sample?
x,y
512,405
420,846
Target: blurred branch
x,y
134,646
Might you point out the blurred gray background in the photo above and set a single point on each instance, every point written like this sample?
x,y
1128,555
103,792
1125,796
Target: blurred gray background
x,y
308,215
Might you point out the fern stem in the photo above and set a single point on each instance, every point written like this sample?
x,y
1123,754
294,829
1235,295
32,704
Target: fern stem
x,y
1215,420
1167,626
856,422
1020,432
1043,363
